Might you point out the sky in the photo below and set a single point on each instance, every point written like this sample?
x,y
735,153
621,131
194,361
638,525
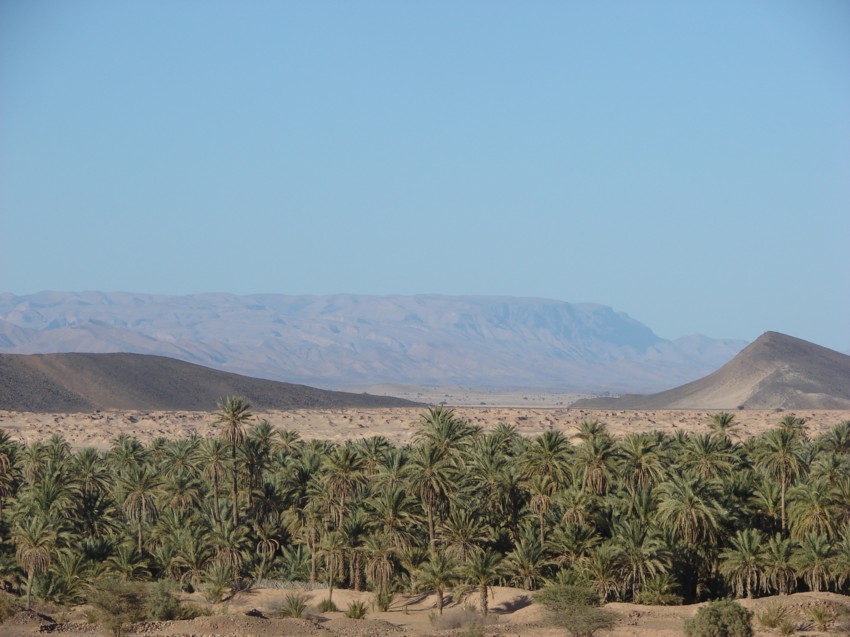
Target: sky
x,y
687,163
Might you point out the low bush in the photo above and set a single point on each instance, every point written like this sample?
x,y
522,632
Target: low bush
x,y
575,608
160,603
294,605
772,616
822,616
327,606
116,603
383,599
723,618
356,610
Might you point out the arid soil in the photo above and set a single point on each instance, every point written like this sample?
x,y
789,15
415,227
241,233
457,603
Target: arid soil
x,y
514,614
101,428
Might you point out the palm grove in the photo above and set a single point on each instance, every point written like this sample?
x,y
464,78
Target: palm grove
x,y
650,517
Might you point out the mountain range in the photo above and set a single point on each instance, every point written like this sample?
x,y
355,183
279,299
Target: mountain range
x,y
776,371
351,341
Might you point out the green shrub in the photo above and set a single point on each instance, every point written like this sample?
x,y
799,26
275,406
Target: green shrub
x,y
7,608
575,608
772,616
383,599
659,591
160,603
723,618
356,610
116,603
294,605
218,583
822,616
327,606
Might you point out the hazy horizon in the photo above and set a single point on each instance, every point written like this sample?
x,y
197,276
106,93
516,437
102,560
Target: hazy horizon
x,y
686,164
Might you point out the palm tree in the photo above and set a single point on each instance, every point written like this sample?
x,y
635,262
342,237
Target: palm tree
x,y
435,479
34,542
778,559
547,454
640,464
743,562
438,573
379,552
527,561
709,456
441,429
233,413
268,544
482,570
139,485
462,534
813,509
641,552
212,456
344,476
332,549
603,570
723,423
812,561
542,489
597,460
690,508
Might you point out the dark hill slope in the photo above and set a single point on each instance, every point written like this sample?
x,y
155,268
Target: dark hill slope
x,y
775,371
83,382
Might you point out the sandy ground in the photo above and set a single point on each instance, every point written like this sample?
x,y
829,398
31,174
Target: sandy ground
x,y
100,429
513,613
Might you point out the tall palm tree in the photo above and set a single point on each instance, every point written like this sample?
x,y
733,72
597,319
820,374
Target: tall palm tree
x,y
709,456
233,413
743,562
441,429
812,561
597,461
640,464
723,423
814,509
527,562
641,553
548,454
139,485
463,532
484,568
434,478
778,564
212,455
344,476
779,454
691,509
542,490
34,542
438,573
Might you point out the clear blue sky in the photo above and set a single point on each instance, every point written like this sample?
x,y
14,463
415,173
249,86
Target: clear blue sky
x,y
685,162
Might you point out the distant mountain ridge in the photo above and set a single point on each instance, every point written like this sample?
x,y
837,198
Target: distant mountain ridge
x,y
776,371
353,340
85,382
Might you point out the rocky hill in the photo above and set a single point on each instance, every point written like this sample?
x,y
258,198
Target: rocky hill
x,y
85,382
776,371
345,340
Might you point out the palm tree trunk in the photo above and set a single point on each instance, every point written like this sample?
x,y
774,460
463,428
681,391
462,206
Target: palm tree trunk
x,y
432,541
216,513
30,577
484,606
235,489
